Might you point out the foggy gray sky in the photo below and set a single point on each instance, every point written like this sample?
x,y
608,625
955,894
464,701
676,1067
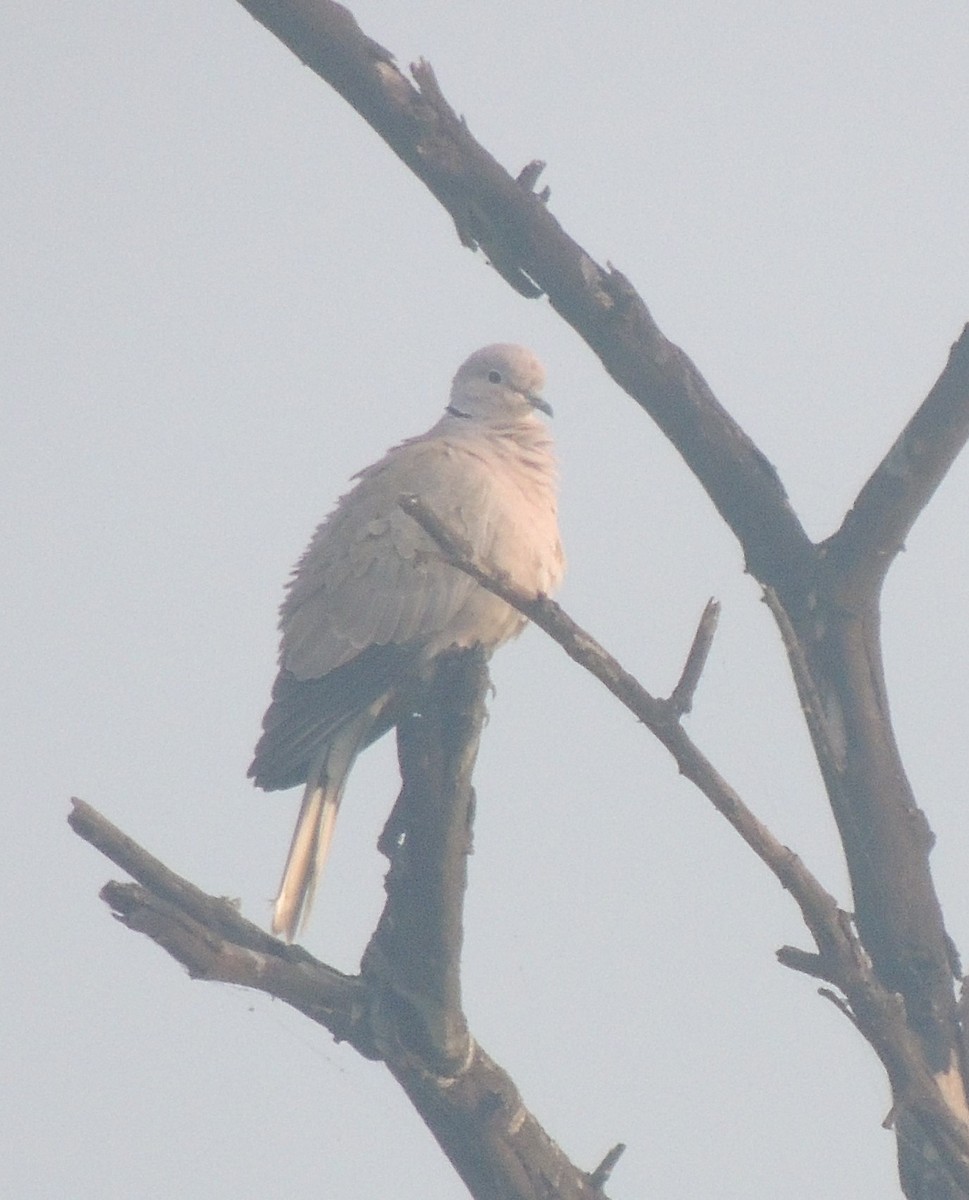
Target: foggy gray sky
x,y
223,295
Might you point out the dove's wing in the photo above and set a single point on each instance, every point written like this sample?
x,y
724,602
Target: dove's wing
x,y
371,576
372,597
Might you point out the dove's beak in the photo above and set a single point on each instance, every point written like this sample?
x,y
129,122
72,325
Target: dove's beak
x,y
539,402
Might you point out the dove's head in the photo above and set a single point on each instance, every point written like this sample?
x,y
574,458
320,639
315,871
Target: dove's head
x,y
498,384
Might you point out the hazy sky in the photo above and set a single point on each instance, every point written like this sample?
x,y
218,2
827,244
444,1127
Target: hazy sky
x,y
222,296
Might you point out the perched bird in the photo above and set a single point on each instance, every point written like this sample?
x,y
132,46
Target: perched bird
x,y
372,602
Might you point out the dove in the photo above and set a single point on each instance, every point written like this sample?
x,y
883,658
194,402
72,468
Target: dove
x,y
372,603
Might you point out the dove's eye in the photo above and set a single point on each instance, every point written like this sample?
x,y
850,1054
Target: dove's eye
x,y
494,377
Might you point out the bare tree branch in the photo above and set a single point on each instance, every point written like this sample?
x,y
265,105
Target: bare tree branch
x,y
415,952
888,505
879,1013
525,242
405,1006
217,913
477,1116
681,697
660,717
212,941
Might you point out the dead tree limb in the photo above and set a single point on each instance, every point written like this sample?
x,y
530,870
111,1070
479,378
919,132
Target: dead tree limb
x,y
404,1008
524,241
414,955
927,1112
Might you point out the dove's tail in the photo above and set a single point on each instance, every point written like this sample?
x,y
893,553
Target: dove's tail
x,y
307,856
314,827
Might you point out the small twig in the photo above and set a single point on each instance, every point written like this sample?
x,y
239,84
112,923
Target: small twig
x,y
805,962
527,177
600,1176
840,1003
681,697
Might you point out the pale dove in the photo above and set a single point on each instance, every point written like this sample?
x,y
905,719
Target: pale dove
x,y
372,602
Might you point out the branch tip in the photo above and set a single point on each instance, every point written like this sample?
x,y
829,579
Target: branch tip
x,y
681,698
840,1003
804,961
600,1176
430,89
527,177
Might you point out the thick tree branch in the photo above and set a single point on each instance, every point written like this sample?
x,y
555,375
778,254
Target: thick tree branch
x,y
833,638
834,645
415,951
525,242
405,1007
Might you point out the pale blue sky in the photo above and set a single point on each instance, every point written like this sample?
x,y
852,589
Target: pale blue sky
x,y
223,295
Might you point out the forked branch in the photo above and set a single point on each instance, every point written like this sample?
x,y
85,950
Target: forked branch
x,y
405,1006
878,1012
905,480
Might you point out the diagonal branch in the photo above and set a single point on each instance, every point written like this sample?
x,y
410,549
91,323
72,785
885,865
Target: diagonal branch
x,y
905,480
681,697
661,718
212,941
526,243
213,913
879,1012
477,1114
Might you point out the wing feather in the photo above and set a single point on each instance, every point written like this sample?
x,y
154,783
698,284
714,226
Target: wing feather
x,y
305,713
371,576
